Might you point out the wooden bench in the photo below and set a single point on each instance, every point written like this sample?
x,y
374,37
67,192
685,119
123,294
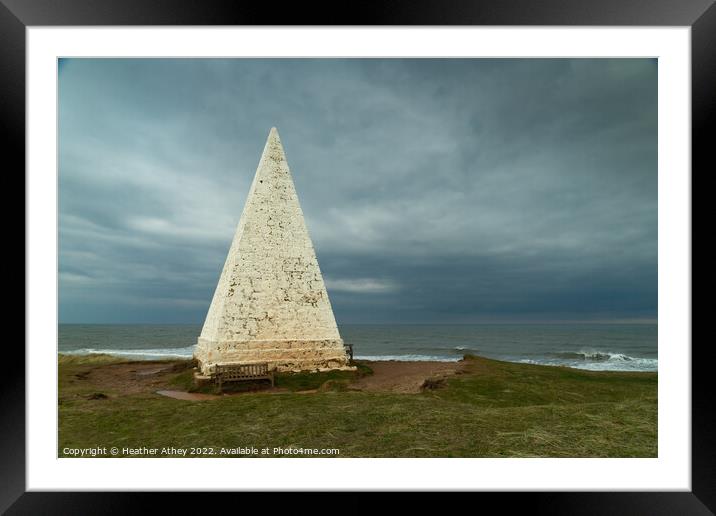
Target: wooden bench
x,y
241,372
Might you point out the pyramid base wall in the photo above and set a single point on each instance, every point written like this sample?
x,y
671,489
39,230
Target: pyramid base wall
x,y
280,355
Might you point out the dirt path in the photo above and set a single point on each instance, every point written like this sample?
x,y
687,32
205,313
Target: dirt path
x,y
131,377
404,377
189,396
139,377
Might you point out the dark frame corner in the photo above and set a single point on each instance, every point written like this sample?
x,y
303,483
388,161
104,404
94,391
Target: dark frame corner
x,y
700,15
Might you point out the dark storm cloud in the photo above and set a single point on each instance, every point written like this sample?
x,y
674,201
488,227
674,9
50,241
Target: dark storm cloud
x,y
434,190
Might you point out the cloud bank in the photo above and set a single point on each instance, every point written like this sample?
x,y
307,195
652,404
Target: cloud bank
x,y
456,190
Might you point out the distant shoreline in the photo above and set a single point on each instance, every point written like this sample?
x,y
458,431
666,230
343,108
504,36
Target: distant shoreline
x,y
150,356
426,359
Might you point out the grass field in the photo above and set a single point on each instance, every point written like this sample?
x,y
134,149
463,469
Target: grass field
x,y
492,409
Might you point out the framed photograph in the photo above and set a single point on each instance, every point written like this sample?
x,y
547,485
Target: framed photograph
x,y
440,249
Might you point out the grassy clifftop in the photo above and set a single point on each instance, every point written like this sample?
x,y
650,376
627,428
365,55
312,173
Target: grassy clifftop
x,y
490,409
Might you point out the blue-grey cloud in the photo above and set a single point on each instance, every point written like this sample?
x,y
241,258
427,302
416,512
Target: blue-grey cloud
x,y
451,190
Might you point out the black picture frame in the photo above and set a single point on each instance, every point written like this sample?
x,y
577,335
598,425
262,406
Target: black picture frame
x,y
17,15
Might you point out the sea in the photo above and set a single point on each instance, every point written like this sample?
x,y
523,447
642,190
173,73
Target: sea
x,y
597,347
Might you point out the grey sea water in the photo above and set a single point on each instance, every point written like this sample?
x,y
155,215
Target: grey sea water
x,y
617,347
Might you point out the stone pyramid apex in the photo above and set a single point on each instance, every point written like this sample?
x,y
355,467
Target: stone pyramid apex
x,y
273,138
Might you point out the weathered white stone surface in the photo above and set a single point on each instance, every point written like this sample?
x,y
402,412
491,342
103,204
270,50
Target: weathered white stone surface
x,y
271,304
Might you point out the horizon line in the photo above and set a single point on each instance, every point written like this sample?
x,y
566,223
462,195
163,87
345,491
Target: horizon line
x,y
555,321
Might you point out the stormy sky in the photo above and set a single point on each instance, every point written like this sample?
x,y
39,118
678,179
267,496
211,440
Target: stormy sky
x,y
435,191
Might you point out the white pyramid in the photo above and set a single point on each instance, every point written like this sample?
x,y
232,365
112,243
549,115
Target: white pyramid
x,y
271,305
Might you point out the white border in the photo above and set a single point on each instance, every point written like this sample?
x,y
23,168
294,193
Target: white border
x,y
672,469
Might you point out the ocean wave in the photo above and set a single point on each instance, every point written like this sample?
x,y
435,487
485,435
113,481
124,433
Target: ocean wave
x,y
139,354
457,350
592,356
633,364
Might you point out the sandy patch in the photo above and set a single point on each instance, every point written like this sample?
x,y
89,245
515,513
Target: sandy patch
x,y
405,377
